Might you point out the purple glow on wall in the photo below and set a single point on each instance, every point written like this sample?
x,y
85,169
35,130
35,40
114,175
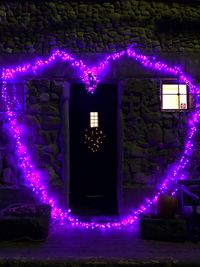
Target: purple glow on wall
x,y
91,76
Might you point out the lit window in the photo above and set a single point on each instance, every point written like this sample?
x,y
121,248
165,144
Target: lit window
x,y
174,97
94,120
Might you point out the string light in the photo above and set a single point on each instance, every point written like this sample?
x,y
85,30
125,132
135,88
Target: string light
x,y
94,138
91,76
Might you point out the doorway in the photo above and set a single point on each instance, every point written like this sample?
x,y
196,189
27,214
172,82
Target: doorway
x,y
94,150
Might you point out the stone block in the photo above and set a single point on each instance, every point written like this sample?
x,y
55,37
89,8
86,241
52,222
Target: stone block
x,y
50,109
135,166
43,86
153,134
32,99
168,123
54,97
50,123
8,177
1,160
34,109
115,17
44,97
25,221
154,228
136,151
56,88
34,151
152,117
54,137
142,178
11,194
171,138
31,121
46,159
52,149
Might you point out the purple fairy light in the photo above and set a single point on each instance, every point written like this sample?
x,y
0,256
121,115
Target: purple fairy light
x,y
91,76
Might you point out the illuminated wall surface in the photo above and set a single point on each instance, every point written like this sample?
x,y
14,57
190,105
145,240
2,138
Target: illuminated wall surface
x,y
152,140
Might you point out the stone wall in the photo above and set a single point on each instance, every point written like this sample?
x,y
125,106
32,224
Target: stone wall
x,y
98,26
42,123
9,173
42,120
152,140
43,132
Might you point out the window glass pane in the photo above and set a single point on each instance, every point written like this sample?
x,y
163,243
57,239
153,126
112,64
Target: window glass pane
x,y
170,102
94,125
183,101
94,119
169,89
183,89
93,114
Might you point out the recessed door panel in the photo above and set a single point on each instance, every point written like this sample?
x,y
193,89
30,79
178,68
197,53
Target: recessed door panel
x,y
94,149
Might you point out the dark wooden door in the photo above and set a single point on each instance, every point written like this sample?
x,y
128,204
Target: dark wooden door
x,y
94,175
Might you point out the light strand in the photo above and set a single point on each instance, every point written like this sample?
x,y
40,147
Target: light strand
x,y
91,76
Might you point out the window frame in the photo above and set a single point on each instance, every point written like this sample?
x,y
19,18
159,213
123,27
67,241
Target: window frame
x,y
176,82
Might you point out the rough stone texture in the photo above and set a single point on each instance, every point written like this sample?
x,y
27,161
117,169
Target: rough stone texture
x,y
163,229
42,124
39,27
151,140
9,172
24,221
45,118
11,194
44,97
115,248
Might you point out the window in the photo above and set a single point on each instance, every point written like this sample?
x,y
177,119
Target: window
x,y
15,96
174,96
94,121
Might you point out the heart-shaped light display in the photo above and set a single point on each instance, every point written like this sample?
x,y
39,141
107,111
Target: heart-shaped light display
x,y
91,76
